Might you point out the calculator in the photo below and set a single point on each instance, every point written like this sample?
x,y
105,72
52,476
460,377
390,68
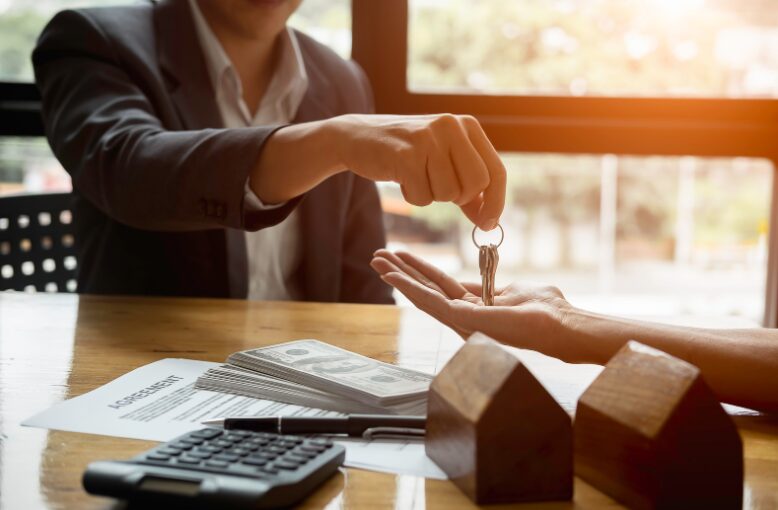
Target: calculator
x,y
214,468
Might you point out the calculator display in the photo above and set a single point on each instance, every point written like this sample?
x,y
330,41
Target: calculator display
x,y
170,486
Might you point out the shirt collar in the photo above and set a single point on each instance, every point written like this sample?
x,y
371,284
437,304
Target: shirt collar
x,y
287,86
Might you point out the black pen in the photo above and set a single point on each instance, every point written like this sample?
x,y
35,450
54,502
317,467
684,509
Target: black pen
x,y
358,425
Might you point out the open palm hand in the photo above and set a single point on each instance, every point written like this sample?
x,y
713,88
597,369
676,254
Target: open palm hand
x,y
523,315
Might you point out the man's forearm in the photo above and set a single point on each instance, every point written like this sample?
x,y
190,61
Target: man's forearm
x,y
294,160
740,365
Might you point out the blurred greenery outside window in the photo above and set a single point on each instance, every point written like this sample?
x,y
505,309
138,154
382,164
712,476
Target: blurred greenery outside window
x,y
681,48
647,236
652,237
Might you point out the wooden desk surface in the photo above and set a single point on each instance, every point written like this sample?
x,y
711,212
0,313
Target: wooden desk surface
x,y
53,347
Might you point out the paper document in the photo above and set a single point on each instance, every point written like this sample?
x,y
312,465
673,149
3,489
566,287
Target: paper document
x,y
158,402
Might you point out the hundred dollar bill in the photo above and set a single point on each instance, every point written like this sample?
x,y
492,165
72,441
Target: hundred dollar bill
x,y
317,374
312,360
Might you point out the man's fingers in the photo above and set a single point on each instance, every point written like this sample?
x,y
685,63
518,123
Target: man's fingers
x,y
443,179
414,182
399,265
494,194
450,286
472,209
470,166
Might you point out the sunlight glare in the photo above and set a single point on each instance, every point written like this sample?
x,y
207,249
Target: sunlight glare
x,y
678,8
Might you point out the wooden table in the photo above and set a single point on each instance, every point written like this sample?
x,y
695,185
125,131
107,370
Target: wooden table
x,y
53,347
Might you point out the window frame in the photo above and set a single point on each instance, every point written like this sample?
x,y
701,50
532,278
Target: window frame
x,y
705,127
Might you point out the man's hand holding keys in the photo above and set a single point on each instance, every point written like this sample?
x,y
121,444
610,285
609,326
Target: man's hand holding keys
x,y
434,158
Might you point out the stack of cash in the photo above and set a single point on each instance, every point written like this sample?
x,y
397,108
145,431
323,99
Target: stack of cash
x,y
315,374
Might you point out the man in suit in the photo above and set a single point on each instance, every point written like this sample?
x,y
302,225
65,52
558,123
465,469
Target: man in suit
x,y
216,152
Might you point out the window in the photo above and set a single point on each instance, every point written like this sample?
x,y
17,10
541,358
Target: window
x,y
715,48
676,223
327,21
27,165
643,236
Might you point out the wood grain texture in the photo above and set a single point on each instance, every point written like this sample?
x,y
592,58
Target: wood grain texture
x,y
496,431
54,347
650,433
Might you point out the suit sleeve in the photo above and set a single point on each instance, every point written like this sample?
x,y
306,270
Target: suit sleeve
x,y
103,129
365,231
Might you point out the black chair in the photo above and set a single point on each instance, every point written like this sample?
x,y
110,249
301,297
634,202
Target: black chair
x,y
37,249
20,110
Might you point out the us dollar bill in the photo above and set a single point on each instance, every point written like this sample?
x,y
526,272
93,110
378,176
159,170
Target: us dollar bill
x,y
310,361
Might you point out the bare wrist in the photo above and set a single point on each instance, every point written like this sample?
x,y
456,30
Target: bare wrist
x,y
587,337
294,160
335,134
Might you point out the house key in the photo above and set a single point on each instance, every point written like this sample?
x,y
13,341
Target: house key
x,y
488,258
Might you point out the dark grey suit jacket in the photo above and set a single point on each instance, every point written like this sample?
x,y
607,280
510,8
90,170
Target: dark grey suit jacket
x,y
130,113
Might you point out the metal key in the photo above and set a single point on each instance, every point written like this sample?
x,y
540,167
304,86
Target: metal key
x,y
483,255
488,258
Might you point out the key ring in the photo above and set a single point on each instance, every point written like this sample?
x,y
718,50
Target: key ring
x,y
502,236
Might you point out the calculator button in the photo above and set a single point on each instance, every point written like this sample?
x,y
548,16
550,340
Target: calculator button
x,y
240,451
254,461
276,449
269,469
226,456
200,455
192,440
321,442
232,436
222,443
207,433
169,451
252,447
216,463
180,446
209,449
265,455
240,433
188,460
287,465
291,439
312,448
158,456
296,458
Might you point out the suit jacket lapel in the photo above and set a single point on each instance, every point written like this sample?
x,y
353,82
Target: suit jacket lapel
x,y
189,86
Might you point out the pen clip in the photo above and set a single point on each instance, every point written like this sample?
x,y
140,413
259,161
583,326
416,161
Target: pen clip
x,y
393,433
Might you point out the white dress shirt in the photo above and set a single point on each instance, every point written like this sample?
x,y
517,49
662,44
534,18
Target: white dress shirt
x,y
274,253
